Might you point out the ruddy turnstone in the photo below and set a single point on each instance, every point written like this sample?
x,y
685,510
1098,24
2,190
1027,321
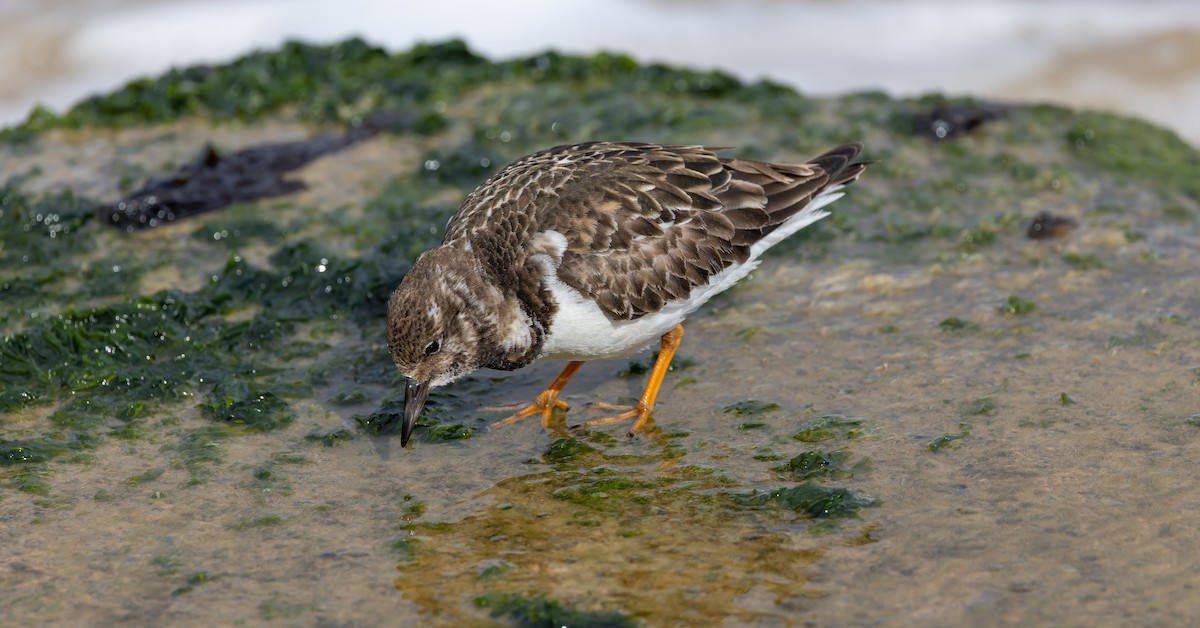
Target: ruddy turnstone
x,y
593,251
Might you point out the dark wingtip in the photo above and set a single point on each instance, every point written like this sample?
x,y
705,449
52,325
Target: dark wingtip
x,y
839,163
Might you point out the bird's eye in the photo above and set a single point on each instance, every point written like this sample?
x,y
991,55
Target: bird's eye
x,y
433,347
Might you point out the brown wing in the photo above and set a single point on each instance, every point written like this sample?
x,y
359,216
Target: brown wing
x,y
645,224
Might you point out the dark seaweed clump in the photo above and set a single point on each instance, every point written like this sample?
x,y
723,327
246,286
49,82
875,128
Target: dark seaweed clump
x,y
213,180
815,501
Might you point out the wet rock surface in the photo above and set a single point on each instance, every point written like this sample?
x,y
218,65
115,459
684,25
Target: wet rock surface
x,y
912,412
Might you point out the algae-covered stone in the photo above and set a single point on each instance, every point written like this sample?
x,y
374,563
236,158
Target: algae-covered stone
x,y
199,356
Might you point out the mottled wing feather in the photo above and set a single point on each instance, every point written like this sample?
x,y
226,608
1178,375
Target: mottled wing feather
x,y
646,224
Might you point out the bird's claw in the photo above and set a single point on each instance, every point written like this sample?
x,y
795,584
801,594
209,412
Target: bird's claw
x,y
544,407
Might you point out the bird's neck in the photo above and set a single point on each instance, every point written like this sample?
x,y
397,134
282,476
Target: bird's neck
x,y
512,308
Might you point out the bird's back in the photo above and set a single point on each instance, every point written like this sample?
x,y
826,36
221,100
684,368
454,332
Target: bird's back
x,y
644,225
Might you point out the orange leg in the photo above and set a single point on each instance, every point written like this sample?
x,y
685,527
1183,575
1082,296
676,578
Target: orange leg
x,y
670,342
547,401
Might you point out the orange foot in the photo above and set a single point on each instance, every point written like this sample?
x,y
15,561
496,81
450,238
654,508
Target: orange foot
x,y
547,402
640,412
644,407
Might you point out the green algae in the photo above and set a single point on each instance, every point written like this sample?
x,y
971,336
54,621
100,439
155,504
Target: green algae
x,y
32,480
194,580
265,521
537,611
828,427
643,366
29,451
245,403
1016,306
944,441
440,421
823,465
564,449
957,324
199,450
810,499
1133,149
1146,337
496,569
330,438
975,407
149,475
280,606
1084,261
750,407
344,81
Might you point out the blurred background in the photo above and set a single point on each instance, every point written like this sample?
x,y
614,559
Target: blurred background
x,y
1134,57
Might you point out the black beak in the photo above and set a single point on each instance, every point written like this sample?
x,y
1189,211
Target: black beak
x,y
414,399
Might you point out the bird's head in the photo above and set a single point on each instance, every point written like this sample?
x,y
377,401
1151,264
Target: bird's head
x,y
432,336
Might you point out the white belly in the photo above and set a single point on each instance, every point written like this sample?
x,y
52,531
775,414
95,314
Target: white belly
x,y
581,331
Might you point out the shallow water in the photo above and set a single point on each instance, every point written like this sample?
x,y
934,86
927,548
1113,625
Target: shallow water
x,y
1024,413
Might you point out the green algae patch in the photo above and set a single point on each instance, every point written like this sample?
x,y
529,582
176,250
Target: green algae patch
x,y
944,441
244,403
809,499
281,606
330,438
536,611
149,476
199,451
193,581
1146,337
1016,306
1084,261
29,451
750,407
595,494
976,407
828,427
455,431
957,324
266,521
564,449
823,465
1136,150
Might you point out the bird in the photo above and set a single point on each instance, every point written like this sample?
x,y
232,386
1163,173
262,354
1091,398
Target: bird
x,y
593,251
